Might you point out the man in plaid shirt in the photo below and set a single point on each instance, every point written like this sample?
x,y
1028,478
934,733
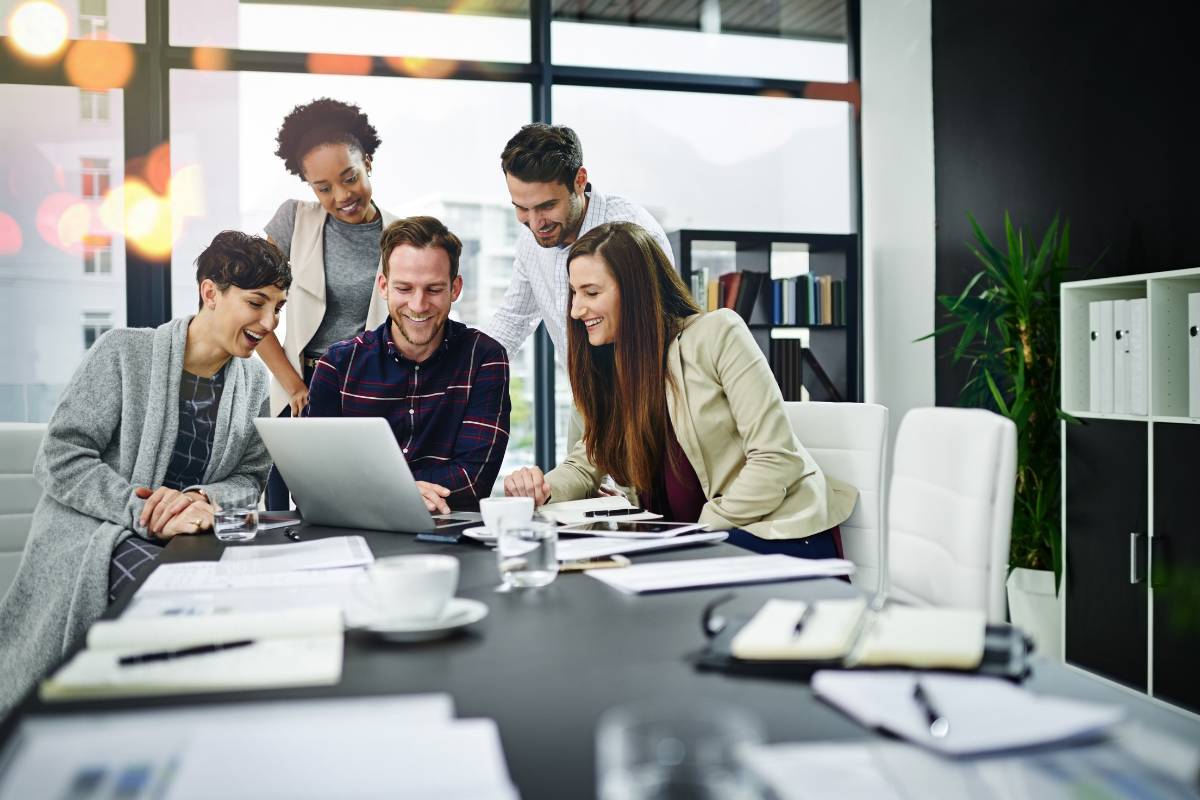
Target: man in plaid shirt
x,y
443,387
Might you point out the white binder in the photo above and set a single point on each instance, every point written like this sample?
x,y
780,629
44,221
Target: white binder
x,y
1094,357
1120,356
1106,356
1138,354
1193,333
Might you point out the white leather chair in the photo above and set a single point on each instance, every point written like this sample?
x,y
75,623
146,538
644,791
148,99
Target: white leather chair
x,y
950,509
19,492
849,442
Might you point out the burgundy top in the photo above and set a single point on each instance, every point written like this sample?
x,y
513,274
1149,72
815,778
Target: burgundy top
x,y
677,494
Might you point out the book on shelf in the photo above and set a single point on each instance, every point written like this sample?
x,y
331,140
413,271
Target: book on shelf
x,y
728,289
1117,338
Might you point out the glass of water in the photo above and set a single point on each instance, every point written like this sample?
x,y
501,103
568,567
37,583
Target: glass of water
x,y
236,517
664,750
527,553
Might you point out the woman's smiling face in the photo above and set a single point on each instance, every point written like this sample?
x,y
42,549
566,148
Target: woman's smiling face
x,y
338,175
595,298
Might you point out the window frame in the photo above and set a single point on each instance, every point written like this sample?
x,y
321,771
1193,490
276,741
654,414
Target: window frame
x,y
147,113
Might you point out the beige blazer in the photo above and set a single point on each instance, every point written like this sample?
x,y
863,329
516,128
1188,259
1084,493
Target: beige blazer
x,y
728,416
306,300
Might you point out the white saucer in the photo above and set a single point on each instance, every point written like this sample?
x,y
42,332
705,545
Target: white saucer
x,y
480,533
459,613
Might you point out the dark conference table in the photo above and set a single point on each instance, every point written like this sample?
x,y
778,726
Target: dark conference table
x,y
546,663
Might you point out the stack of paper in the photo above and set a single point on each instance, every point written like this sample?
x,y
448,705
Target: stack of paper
x,y
985,714
301,647
601,546
378,747
323,572
575,511
669,575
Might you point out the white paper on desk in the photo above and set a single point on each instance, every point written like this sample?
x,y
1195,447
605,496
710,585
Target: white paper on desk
x,y
50,753
357,600
887,770
575,511
332,553
212,576
600,546
623,528
697,572
311,761
986,714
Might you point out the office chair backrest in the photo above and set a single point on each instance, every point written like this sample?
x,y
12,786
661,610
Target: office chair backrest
x,y
19,492
950,509
849,442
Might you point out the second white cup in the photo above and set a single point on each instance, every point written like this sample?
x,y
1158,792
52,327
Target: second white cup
x,y
496,511
414,587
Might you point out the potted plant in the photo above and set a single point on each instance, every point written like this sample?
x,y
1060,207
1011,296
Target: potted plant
x,y
1007,324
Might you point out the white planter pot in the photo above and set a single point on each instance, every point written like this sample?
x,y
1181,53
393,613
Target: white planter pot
x,y
1034,608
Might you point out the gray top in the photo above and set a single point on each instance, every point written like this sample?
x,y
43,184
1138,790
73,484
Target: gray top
x,y
113,430
351,254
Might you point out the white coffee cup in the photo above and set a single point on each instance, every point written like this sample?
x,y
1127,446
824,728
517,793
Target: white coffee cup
x,y
499,510
414,587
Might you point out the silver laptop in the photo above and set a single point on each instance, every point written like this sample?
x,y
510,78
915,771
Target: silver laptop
x,y
349,472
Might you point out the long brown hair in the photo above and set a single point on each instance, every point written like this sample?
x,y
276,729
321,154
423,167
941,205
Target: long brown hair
x,y
620,389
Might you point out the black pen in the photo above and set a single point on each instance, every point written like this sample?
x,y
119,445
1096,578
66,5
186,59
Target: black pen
x,y
168,655
939,726
613,512
805,616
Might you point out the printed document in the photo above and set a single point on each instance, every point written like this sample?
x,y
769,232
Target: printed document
x,y
670,575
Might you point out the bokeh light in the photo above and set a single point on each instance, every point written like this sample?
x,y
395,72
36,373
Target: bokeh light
x,y
98,64
422,67
329,64
10,235
38,28
158,168
49,219
142,215
73,225
187,193
210,58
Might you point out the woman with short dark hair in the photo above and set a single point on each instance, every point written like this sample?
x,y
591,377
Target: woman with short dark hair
x,y
151,422
333,244
682,407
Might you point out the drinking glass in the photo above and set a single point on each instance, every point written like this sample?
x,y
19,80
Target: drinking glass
x,y
687,750
236,516
527,554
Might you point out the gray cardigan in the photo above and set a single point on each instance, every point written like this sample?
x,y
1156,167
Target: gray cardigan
x,y
113,430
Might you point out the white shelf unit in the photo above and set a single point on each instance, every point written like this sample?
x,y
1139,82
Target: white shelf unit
x,y
1110,576
1167,345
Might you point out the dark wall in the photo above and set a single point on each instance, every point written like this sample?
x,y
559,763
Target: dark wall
x,y
1074,107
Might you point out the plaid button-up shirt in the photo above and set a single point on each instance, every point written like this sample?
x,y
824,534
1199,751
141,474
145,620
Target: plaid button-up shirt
x,y
449,412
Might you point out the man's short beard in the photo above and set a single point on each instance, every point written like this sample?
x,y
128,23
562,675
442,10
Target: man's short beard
x,y
398,321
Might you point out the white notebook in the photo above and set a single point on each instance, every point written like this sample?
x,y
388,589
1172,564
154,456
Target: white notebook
x,y
985,714
668,575
946,638
301,647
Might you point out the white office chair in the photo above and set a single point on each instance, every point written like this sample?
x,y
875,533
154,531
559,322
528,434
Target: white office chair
x,y
849,442
19,492
950,509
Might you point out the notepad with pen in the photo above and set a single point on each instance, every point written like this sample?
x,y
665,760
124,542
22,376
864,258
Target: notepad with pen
x,y
790,638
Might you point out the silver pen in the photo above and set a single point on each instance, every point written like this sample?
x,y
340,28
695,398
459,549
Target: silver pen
x,y
939,726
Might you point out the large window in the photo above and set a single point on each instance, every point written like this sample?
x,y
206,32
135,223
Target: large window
x,y
57,171
740,141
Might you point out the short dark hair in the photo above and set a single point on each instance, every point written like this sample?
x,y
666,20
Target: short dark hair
x,y
247,262
420,232
323,121
541,153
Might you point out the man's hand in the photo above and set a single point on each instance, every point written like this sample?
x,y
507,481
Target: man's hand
x,y
528,482
194,518
298,400
432,494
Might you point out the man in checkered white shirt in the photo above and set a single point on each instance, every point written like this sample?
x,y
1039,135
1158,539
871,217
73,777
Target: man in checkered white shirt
x,y
543,166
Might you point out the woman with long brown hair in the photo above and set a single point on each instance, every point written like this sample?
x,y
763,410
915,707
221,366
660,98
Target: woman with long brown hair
x,y
681,406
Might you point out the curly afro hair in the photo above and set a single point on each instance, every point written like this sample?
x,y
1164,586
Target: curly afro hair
x,y
323,121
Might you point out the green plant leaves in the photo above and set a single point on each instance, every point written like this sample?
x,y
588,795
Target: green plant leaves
x,y
1006,323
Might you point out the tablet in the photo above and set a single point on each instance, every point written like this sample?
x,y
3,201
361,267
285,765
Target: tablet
x,y
636,529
